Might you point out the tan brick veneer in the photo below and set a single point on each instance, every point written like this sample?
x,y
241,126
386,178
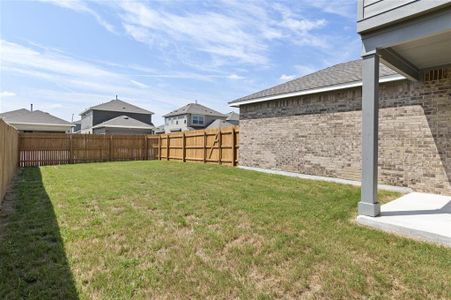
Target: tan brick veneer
x,y
321,134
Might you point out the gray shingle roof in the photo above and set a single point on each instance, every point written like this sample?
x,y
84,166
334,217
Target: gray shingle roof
x,y
119,105
233,116
124,122
218,123
338,74
195,109
35,117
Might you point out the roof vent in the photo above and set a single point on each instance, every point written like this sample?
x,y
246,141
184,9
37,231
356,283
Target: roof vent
x,y
126,118
436,74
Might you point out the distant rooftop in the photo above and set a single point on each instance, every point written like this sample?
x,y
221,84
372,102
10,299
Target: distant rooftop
x,y
31,117
233,116
119,105
124,122
195,109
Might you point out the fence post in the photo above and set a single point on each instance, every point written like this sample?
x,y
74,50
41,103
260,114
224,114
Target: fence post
x,y
233,147
220,146
183,147
205,147
110,156
167,146
159,147
71,151
146,148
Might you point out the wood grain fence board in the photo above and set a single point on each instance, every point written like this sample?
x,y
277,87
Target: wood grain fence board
x,y
208,146
9,155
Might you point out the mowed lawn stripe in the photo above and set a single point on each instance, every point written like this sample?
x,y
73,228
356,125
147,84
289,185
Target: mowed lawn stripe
x,y
159,229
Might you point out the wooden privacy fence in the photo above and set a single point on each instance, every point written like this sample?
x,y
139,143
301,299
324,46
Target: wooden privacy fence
x,y
53,149
208,146
8,155
211,145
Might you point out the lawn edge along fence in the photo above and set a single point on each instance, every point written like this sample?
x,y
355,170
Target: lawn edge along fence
x,y
9,141
208,146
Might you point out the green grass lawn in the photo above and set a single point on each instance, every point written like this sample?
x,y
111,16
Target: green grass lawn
x,y
162,229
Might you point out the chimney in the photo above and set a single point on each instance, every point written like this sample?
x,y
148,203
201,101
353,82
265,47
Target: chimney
x,y
31,107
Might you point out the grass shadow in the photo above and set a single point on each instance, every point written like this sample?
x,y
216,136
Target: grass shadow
x,y
33,263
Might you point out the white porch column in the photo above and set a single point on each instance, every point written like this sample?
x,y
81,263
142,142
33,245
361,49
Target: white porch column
x,y
368,204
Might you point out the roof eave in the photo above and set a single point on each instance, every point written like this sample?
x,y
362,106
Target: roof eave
x,y
41,124
341,86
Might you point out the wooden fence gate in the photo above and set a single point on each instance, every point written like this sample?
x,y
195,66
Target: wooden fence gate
x,y
208,146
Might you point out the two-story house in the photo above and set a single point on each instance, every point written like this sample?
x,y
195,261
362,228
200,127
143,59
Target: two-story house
x,y
190,117
116,117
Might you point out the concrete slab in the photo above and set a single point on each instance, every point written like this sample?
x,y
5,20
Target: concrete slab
x,y
420,216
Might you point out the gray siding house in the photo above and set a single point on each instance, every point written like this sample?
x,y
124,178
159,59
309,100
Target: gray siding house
x,y
190,117
112,115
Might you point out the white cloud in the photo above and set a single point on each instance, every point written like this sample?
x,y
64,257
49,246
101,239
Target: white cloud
x,y
285,77
79,84
82,7
4,94
229,32
235,77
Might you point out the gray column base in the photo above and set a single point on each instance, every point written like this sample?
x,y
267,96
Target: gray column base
x,y
369,209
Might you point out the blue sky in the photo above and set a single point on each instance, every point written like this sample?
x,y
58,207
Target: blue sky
x,y
65,56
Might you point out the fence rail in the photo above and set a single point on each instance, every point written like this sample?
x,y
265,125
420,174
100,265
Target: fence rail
x,y
8,155
53,149
208,146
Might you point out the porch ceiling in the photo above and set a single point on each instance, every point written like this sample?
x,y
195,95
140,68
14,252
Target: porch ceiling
x,y
427,52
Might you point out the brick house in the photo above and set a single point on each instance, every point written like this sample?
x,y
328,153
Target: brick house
x,y
313,125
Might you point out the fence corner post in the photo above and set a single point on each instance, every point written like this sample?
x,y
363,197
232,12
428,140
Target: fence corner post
x,y
233,147
205,146
168,139
183,147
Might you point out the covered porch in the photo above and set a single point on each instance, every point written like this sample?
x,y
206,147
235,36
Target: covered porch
x,y
417,45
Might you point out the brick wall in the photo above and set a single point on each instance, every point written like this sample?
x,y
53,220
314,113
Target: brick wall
x,y
321,134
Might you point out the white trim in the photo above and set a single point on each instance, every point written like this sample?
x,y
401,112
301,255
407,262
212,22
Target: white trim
x,y
316,90
40,124
385,187
120,126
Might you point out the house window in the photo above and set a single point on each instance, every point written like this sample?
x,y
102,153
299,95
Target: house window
x,y
198,120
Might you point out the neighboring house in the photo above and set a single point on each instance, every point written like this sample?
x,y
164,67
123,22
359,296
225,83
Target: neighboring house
x,y
159,129
123,125
220,124
190,117
25,120
77,126
233,117
313,125
96,115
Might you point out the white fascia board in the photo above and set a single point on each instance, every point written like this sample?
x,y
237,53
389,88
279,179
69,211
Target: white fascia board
x,y
125,127
42,124
316,91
